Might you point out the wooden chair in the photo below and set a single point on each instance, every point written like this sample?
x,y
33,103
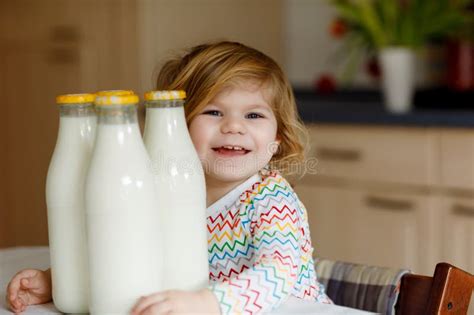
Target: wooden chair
x,y
447,292
375,289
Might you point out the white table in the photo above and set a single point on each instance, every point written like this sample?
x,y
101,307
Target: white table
x,y
14,259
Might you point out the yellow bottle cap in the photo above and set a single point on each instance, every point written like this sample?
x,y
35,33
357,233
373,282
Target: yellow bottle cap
x,y
165,95
75,98
116,100
114,92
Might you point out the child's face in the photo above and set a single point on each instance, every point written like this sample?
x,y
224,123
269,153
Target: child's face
x,y
235,134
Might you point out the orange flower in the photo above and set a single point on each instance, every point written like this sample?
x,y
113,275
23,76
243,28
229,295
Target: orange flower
x,y
338,28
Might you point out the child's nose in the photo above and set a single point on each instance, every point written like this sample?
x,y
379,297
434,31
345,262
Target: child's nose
x,y
233,125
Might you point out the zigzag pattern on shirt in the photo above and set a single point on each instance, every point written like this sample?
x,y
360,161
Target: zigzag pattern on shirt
x,y
232,263
228,274
260,251
270,284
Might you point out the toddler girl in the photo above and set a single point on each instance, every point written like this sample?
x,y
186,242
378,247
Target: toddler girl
x,y
243,122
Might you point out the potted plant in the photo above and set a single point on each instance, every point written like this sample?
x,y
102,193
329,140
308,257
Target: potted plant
x,y
394,30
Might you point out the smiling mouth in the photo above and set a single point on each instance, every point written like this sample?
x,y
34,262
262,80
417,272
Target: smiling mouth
x,y
231,150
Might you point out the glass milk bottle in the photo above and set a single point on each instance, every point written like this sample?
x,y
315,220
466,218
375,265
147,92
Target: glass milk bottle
x,y
181,191
65,202
121,207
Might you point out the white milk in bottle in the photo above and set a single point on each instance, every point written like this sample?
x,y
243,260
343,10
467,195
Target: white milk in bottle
x,y
181,191
121,207
65,202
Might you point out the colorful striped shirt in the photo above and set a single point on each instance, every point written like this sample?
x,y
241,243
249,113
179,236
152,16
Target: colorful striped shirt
x,y
260,251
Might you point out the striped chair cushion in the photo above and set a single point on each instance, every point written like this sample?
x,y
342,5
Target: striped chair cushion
x,y
368,288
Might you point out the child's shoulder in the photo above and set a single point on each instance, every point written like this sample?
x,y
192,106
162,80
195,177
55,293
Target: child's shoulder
x,y
270,183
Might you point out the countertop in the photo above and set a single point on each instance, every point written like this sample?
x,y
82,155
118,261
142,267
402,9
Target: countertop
x,y
431,109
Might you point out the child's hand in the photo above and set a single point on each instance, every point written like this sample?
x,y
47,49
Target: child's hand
x,y
177,302
28,287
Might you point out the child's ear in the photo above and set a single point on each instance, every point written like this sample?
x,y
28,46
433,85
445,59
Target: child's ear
x,y
278,140
274,146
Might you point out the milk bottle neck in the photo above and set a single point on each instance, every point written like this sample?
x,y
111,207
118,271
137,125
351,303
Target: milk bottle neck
x,y
117,114
168,112
165,124
117,128
164,104
77,125
76,110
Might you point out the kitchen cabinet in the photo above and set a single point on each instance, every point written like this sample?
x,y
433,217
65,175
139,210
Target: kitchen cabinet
x,y
369,227
390,155
457,158
331,213
391,196
457,226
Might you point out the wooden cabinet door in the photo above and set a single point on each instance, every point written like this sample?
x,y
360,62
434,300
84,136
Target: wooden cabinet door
x,y
377,154
457,226
398,230
331,214
31,121
457,159
382,229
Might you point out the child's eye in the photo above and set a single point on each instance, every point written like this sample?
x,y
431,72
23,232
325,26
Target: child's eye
x,y
212,113
254,115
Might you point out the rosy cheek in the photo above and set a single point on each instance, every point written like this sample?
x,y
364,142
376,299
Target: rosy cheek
x,y
194,132
197,145
198,140
192,128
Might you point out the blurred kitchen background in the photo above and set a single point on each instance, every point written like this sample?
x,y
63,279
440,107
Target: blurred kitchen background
x,y
390,189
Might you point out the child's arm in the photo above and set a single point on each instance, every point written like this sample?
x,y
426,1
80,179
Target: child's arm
x,y
29,287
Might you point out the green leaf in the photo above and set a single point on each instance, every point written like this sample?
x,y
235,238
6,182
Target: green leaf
x,y
389,11
372,23
347,11
355,53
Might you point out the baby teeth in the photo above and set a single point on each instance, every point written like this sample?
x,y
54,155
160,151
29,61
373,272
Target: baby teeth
x,y
229,147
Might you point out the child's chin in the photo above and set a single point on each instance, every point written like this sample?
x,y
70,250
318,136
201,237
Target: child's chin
x,y
229,177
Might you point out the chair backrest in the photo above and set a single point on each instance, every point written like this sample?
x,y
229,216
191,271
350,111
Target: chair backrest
x,y
447,292
364,287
